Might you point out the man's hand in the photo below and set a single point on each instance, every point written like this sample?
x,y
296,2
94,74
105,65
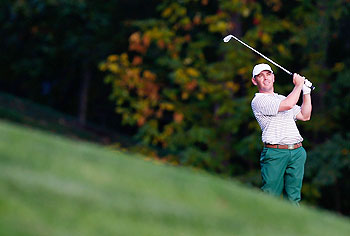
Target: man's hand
x,y
307,87
298,80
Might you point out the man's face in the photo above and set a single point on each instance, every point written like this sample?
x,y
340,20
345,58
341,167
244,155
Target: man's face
x,y
264,80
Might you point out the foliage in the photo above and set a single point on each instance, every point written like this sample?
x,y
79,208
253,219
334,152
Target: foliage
x,y
328,170
175,87
189,93
51,48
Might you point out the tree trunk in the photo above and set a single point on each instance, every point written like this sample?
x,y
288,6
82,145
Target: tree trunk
x,y
83,99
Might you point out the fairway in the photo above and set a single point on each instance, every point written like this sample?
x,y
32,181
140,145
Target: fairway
x,y
51,185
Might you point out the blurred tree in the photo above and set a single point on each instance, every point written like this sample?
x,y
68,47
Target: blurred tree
x,y
328,171
51,49
189,93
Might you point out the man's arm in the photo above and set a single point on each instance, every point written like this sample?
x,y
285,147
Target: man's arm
x,y
306,108
291,100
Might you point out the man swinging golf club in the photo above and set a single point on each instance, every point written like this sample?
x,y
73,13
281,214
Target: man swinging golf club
x,y
283,157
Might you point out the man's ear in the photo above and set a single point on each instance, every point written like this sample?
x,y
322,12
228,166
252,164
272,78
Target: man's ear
x,y
254,81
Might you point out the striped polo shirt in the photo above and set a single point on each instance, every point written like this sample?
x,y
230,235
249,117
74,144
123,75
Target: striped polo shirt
x,y
277,127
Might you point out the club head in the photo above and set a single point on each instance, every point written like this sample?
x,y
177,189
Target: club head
x,y
228,38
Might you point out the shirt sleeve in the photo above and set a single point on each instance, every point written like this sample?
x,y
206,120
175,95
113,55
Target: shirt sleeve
x,y
266,105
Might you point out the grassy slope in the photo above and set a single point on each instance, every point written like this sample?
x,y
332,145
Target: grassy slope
x,y
50,185
31,114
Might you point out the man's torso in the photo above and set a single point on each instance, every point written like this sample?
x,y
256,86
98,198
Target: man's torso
x,y
277,127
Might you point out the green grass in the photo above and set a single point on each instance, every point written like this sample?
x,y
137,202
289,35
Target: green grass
x,y
50,185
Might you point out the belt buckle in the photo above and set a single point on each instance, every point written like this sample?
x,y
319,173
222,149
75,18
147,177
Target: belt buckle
x,y
290,146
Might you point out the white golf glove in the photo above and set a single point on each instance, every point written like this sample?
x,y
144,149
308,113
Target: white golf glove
x,y
307,87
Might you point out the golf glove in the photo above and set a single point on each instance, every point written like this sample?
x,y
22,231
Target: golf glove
x,y
307,87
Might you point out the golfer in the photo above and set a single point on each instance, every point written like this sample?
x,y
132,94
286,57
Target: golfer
x,y
283,157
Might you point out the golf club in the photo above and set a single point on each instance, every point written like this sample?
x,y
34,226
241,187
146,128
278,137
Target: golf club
x,y
229,37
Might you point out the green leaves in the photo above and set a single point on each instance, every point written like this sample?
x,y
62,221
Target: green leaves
x,y
328,163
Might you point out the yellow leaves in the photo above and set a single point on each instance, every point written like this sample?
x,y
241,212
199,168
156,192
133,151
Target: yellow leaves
x,y
128,77
184,95
217,23
188,61
112,58
102,66
185,75
174,12
192,72
311,191
200,96
220,26
242,71
281,49
187,79
180,76
167,106
159,33
287,25
114,68
133,73
167,12
148,75
181,11
168,130
124,59
186,23
163,137
232,86
210,88
114,63
245,11
265,38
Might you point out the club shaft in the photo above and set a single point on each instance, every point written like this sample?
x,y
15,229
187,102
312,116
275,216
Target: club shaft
x,y
227,39
262,55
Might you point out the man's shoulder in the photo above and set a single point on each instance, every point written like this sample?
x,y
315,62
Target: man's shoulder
x,y
263,96
266,99
279,96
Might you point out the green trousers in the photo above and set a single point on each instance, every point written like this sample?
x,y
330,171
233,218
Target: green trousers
x,y
282,171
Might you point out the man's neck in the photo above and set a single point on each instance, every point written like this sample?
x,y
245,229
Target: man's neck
x,y
266,92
